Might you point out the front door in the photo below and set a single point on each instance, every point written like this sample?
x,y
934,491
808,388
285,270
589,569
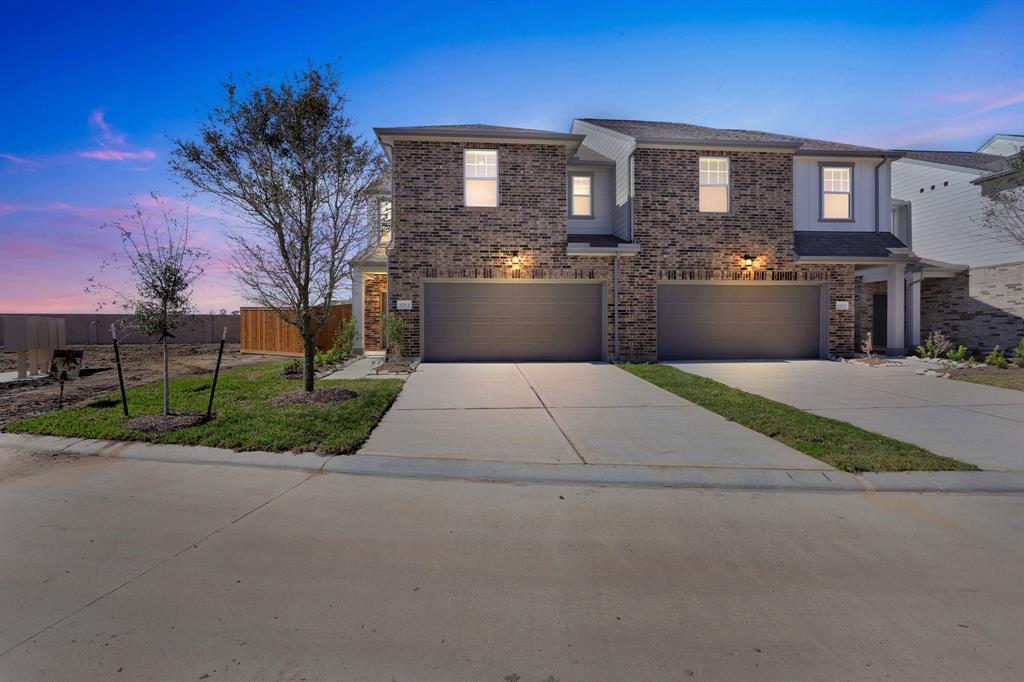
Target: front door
x,y
879,315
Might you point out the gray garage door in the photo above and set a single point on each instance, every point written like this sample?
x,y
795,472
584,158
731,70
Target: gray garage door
x,y
706,322
511,321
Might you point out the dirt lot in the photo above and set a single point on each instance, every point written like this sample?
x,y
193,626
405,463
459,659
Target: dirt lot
x,y
142,363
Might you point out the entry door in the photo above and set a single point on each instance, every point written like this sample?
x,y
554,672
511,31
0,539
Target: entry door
x,y
879,318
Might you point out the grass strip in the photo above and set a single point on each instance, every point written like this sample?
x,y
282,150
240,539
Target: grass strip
x,y
842,445
244,420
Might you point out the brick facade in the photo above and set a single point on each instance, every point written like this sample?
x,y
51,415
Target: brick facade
x,y
438,237
979,308
373,321
866,313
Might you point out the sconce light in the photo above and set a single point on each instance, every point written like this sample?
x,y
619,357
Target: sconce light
x,y
515,258
748,261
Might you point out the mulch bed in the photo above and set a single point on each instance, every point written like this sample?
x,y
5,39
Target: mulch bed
x,y
394,368
162,423
319,396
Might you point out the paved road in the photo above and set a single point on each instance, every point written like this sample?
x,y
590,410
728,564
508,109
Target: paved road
x,y
564,413
970,422
144,570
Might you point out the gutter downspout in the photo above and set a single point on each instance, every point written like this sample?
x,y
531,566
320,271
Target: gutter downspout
x,y
877,198
615,317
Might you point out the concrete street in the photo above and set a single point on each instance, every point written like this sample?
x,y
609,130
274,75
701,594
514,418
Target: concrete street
x,y
116,569
564,413
970,422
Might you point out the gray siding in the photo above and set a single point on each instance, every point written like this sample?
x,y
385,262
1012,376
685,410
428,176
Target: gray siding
x,y
618,148
807,200
604,202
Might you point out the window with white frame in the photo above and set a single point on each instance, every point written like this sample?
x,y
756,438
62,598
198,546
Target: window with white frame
x,y
581,201
384,216
836,192
714,184
481,177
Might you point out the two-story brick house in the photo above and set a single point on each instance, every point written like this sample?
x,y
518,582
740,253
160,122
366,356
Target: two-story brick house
x,y
627,240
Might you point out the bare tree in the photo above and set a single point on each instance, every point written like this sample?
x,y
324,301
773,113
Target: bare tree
x,y
1003,216
285,160
162,266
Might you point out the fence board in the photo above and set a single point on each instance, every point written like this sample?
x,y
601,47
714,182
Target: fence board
x,y
263,331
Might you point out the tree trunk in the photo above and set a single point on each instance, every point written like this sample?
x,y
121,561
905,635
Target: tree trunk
x,y
167,390
309,364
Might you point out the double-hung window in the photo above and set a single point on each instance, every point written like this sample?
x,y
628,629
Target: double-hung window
x,y
481,177
384,216
714,184
581,198
836,192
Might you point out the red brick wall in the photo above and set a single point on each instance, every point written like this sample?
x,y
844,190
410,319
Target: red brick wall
x,y
373,287
438,237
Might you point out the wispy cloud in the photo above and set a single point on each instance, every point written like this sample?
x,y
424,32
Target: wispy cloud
x,y
16,163
112,144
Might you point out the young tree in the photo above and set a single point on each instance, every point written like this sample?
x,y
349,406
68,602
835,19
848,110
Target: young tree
x,y
1003,216
162,265
285,160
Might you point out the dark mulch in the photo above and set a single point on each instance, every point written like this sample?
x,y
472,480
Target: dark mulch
x,y
163,423
320,396
394,368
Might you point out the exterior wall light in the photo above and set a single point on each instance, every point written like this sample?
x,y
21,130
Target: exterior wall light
x,y
515,258
748,261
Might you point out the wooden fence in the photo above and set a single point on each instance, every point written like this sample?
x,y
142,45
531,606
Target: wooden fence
x,y
263,331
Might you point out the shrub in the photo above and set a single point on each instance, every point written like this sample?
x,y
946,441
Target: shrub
x,y
394,328
1018,354
961,354
292,369
935,346
997,358
867,346
345,337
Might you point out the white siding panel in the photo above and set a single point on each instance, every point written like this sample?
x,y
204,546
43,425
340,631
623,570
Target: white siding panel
x,y
604,202
947,220
1003,145
806,198
618,148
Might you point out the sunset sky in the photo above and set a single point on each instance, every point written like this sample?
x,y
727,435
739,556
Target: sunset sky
x,y
93,95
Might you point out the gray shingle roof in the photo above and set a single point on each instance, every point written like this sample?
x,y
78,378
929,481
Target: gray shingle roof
x,y
845,244
477,130
985,162
687,132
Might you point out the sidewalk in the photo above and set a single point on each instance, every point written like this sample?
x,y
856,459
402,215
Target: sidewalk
x,y
724,478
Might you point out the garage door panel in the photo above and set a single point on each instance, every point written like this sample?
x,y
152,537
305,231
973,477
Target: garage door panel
x,y
738,321
480,321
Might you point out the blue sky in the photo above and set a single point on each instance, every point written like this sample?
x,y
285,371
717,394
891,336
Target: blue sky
x,y
93,94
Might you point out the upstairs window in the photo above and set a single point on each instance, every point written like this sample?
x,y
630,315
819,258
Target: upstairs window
x,y
836,192
384,216
581,199
481,176
714,184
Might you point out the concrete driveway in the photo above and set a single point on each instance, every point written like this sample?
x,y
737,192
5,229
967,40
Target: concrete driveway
x,y
564,413
970,422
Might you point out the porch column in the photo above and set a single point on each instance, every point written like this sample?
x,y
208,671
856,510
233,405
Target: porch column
x,y
358,284
895,311
914,308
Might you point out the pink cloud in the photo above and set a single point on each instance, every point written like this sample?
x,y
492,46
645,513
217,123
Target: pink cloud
x,y
20,162
113,145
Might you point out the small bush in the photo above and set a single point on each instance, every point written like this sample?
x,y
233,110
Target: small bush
x,y
867,346
1018,354
345,337
961,354
997,358
293,368
935,346
394,328
327,357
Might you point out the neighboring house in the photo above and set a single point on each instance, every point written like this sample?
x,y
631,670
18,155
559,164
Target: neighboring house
x,y
972,284
628,240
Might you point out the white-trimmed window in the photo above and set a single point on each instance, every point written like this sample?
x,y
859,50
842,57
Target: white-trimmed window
x,y
481,176
384,216
581,195
836,192
714,184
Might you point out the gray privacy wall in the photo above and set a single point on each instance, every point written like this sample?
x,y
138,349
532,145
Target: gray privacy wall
x,y
978,308
88,328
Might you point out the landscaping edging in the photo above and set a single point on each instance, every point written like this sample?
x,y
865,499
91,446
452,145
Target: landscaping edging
x,y
722,478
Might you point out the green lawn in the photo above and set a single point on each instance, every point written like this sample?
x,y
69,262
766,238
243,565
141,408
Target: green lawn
x,y
244,420
842,445
1011,377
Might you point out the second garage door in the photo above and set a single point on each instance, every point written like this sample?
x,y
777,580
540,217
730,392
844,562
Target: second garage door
x,y
521,321
708,322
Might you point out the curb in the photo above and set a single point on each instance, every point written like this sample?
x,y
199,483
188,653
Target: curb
x,y
629,475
